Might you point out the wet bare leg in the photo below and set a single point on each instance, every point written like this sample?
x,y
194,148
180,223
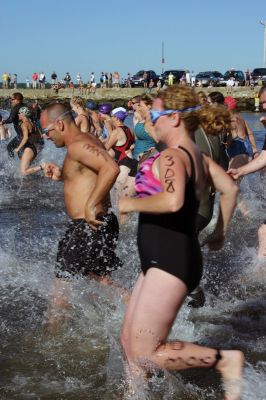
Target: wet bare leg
x,y
59,310
108,281
159,299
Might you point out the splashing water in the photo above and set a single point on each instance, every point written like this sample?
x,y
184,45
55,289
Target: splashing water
x,y
83,359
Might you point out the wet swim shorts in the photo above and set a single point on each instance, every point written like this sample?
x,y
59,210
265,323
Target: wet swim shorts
x,y
83,251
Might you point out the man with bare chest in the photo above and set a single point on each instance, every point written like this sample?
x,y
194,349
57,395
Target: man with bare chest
x,y
88,247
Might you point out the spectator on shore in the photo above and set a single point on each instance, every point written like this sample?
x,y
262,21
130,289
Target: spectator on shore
x,y
53,78
170,79
116,79
5,80
27,82
35,77
42,80
15,81
67,79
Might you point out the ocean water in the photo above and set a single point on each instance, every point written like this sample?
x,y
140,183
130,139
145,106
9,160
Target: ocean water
x,y
82,358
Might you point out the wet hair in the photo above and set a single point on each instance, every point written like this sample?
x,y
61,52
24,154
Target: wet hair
x,y
216,97
262,90
179,97
18,96
78,101
136,99
147,99
215,119
54,110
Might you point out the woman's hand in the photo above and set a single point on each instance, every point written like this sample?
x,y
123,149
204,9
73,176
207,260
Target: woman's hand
x,y
124,205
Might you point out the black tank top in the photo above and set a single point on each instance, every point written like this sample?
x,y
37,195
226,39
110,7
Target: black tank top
x,y
183,220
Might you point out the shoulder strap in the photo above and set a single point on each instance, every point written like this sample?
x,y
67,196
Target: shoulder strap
x,y
193,174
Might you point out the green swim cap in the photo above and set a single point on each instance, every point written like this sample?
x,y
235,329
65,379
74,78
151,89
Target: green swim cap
x,y
25,111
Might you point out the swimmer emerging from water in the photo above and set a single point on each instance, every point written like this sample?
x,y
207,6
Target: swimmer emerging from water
x,y
88,247
31,143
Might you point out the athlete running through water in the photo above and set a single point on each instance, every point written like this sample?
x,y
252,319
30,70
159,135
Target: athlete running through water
x,y
88,247
169,185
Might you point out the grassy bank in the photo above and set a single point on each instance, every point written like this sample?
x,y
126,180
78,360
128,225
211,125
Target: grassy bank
x,y
244,95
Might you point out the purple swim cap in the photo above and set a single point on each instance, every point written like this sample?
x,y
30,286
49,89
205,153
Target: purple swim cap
x,y
105,108
120,113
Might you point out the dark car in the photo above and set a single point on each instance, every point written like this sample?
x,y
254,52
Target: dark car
x,y
209,78
178,73
239,76
137,79
259,74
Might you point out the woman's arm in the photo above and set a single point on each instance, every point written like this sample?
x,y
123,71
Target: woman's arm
x,y
228,190
111,140
25,134
172,175
252,140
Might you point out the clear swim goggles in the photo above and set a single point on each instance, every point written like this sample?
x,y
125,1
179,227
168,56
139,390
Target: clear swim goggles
x,y
154,114
46,130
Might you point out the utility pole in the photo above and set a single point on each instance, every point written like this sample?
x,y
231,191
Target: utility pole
x,y
264,57
162,56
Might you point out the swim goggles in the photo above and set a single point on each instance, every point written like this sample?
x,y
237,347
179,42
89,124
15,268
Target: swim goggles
x,y
46,130
154,114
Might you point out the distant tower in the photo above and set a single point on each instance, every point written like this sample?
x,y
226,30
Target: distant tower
x,y
162,55
264,24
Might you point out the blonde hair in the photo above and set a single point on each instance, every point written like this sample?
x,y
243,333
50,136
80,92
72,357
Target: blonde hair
x,y
78,101
179,97
214,119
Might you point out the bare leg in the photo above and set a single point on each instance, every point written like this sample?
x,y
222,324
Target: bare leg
x,y
108,281
149,323
60,307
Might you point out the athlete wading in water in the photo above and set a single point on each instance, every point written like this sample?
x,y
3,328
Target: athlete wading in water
x,y
88,247
169,186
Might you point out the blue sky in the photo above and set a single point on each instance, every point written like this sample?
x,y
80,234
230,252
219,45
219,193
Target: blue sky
x,y
85,36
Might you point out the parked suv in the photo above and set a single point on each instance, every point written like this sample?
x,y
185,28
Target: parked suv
x,y
209,78
238,75
259,74
137,79
178,73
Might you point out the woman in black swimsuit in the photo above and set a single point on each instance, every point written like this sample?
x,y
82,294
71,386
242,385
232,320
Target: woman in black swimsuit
x,y
169,189
31,142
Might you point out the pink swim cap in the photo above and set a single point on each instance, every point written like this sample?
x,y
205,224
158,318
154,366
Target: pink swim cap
x,y
230,102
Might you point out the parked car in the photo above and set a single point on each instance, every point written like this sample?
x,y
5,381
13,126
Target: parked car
x,y
238,75
209,78
137,79
178,73
259,74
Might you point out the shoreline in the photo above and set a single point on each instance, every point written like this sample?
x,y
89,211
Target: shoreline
x,y
245,96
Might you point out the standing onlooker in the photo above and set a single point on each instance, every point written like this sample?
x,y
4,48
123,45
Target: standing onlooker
x,y
35,77
248,77
110,80
78,78
116,79
15,81
67,79
5,80
193,79
230,84
9,81
170,80
42,80
27,82
145,79
53,78
92,78
188,80
102,80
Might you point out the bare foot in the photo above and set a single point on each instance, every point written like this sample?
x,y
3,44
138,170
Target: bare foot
x,y
230,366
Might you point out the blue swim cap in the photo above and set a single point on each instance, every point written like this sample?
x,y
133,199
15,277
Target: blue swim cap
x,y
120,113
91,105
105,108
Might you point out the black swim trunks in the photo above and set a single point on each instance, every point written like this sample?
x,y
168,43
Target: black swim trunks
x,y
83,251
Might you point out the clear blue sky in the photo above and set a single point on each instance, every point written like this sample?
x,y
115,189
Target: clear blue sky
x,y
85,36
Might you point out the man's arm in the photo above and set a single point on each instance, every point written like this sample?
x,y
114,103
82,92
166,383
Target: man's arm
x,y
99,161
253,166
252,140
12,116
